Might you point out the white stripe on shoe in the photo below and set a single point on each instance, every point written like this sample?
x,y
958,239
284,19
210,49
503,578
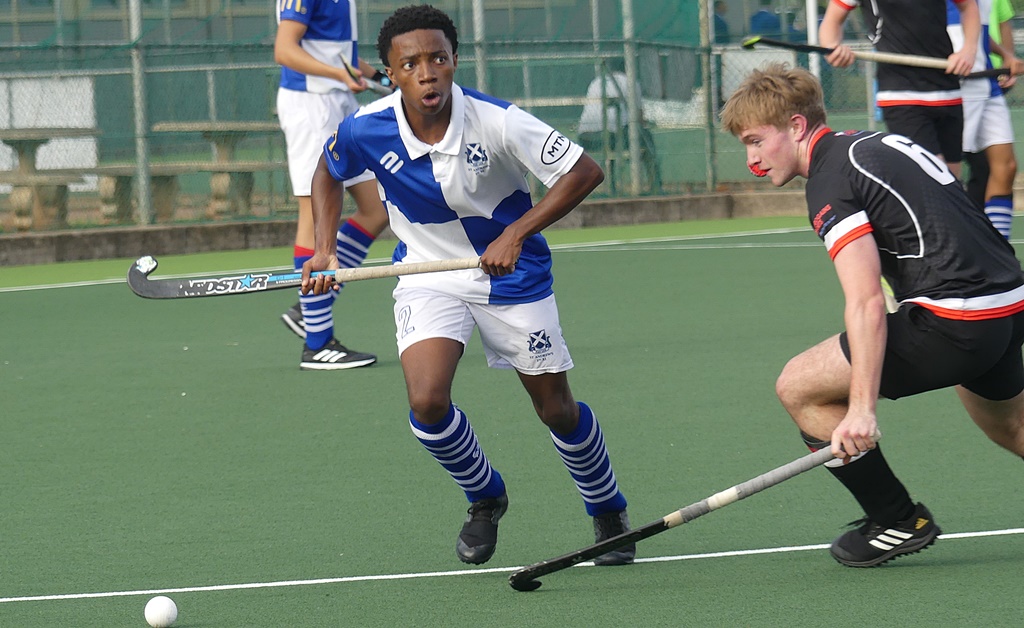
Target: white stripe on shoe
x,y
890,539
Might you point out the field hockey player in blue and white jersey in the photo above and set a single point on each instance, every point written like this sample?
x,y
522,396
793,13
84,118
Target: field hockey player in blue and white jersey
x,y
451,164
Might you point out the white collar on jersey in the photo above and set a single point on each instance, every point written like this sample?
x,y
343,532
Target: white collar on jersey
x,y
450,144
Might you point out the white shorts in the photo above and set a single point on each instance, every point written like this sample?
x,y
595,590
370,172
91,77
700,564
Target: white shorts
x,y
986,123
526,337
308,120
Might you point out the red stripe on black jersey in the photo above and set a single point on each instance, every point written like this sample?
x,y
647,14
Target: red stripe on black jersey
x,y
849,237
921,103
916,27
974,315
934,246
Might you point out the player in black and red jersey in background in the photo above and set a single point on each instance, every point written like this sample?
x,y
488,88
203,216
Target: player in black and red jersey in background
x,y
923,104
886,207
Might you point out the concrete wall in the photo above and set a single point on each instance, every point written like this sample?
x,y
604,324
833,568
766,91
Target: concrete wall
x,y
133,242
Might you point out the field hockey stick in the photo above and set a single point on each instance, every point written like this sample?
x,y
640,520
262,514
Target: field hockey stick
x,y
180,288
375,86
870,55
525,579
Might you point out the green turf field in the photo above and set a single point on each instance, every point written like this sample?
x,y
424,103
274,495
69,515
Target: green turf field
x,y
175,447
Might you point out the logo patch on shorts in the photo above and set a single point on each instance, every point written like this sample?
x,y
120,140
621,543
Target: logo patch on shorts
x,y
539,341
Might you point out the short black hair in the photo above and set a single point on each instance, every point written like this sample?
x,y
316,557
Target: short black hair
x,y
412,18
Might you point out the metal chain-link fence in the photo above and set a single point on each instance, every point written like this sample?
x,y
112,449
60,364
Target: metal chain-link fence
x,y
142,111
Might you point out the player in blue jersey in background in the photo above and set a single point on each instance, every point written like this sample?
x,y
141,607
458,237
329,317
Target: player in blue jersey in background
x,y
988,129
316,93
451,163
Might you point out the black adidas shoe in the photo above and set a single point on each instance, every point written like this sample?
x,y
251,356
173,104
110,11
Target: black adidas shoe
x,y
872,544
605,527
293,320
479,534
333,356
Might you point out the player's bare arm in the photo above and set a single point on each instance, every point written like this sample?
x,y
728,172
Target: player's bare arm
x,y
327,195
365,69
859,270
502,254
830,35
289,52
961,61
1010,59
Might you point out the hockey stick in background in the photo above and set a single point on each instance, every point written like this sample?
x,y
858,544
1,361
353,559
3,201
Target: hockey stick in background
x,y
525,579
179,288
870,55
375,84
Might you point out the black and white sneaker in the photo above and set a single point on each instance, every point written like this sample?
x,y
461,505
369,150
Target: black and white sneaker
x,y
872,544
293,320
333,356
605,527
479,535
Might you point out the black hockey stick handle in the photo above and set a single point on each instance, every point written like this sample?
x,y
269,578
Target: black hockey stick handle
x,y
870,55
525,579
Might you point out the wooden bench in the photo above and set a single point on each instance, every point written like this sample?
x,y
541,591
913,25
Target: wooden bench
x,y
231,186
115,189
39,198
232,181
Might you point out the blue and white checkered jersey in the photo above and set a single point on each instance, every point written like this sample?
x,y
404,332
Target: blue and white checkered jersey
x,y
975,89
331,33
454,198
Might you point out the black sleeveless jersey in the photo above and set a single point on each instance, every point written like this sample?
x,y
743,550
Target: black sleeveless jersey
x,y
936,248
916,27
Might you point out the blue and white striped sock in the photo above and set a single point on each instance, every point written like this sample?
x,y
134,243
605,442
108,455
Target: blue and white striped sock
x,y
999,210
453,443
316,308
586,458
353,244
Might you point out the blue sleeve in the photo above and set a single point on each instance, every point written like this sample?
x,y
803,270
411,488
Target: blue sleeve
x,y
344,159
296,10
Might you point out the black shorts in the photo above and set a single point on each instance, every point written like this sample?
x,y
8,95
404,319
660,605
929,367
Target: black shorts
x,y
926,352
940,130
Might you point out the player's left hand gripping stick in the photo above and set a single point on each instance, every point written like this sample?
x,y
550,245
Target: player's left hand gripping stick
x,y
525,579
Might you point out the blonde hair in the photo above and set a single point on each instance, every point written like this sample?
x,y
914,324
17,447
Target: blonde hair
x,y
771,95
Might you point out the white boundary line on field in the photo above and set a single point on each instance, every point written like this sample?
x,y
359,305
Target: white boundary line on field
x,y
703,236
441,574
578,246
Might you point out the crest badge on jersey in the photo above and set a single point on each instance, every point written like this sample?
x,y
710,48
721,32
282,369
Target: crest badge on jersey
x,y
476,158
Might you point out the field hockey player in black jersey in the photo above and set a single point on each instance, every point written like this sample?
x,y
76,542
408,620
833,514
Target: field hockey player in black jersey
x,y
886,207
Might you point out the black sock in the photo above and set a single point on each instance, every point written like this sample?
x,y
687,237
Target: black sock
x,y
978,170
872,483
